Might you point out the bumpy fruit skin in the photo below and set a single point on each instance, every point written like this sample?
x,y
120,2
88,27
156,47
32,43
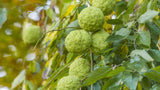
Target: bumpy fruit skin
x,y
78,41
69,83
106,6
31,34
91,19
98,41
80,67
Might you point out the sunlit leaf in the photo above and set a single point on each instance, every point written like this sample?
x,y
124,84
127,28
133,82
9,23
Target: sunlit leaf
x,y
51,14
29,85
156,69
19,79
153,75
116,71
144,39
3,16
131,80
150,14
34,67
155,87
123,32
141,53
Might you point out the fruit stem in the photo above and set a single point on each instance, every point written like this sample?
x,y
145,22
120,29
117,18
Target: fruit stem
x,y
91,54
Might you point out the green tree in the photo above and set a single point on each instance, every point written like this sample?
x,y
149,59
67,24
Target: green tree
x,y
127,41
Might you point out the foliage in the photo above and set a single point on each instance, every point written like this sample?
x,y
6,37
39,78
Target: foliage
x,y
131,61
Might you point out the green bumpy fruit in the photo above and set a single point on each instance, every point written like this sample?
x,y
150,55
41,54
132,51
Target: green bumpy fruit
x,y
98,41
31,34
107,6
80,67
78,41
69,83
91,19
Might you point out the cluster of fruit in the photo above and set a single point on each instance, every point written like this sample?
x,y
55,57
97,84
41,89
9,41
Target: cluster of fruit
x,y
91,36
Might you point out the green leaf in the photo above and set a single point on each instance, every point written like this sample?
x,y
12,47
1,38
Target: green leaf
x,y
141,53
29,85
155,54
153,28
152,5
132,37
155,87
120,7
34,67
131,80
146,84
157,22
156,69
72,26
80,8
113,38
19,79
123,32
119,35
111,83
65,7
3,16
150,14
137,64
96,75
130,5
153,75
143,8
67,1
144,39
114,21
51,14
116,71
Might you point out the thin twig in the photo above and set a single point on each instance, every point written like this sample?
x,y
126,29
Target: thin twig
x,y
91,55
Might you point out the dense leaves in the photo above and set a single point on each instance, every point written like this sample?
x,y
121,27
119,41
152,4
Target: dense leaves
x,y
130,62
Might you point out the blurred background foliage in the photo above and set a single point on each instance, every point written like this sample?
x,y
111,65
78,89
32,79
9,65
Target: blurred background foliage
x,y
14,54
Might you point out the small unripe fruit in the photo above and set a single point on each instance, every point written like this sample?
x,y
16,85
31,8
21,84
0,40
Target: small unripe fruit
x,y
107,6
98,41
31,34
78,41
91,19
80,67
69,83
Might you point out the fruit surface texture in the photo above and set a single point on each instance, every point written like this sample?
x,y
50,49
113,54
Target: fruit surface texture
x,y
98,41
91,19
68,83
107,6
80,67
78,41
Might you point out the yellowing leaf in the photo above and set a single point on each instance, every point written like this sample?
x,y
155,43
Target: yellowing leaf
x,y
69,10
107,27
